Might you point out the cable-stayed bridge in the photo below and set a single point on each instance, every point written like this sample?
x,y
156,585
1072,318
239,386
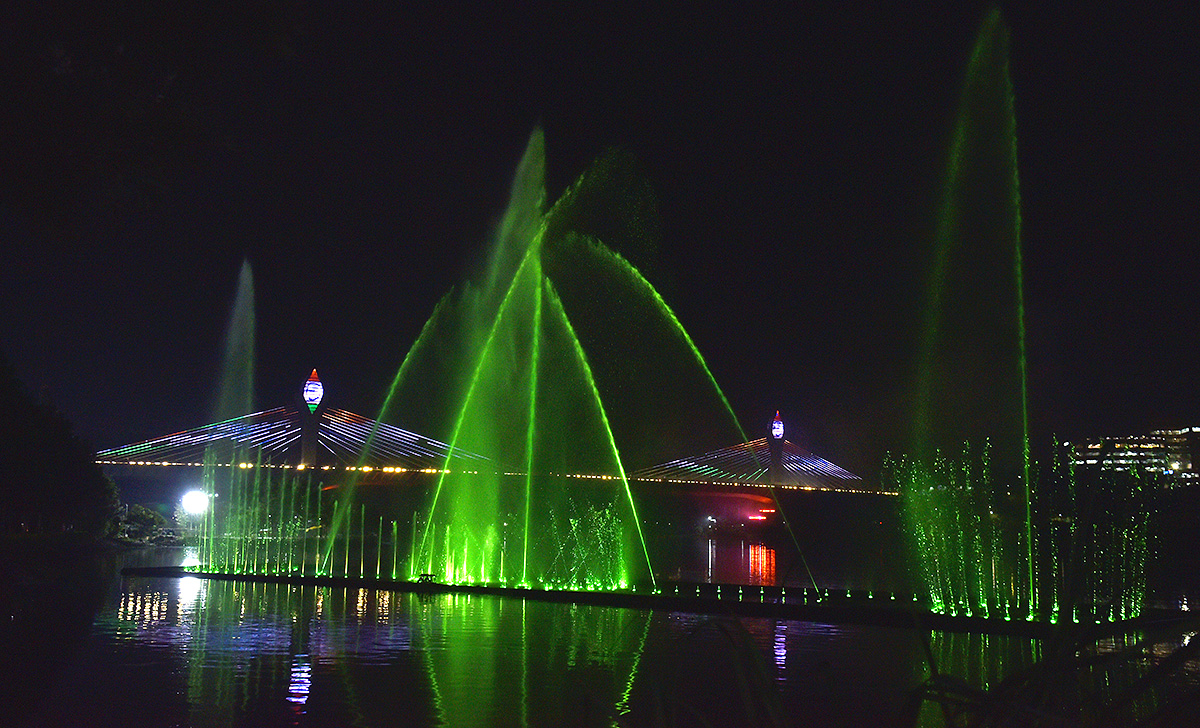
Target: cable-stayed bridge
x,y
335,439
753,464
348,441
276,437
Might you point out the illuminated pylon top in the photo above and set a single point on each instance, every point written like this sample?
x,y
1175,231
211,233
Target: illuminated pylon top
x,y
313,391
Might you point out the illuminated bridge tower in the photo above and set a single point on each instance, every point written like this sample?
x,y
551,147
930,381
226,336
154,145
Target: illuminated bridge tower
x,y
309,433
767,461
775,445
313,392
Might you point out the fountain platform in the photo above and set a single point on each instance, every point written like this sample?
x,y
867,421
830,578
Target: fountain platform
x,y
827,606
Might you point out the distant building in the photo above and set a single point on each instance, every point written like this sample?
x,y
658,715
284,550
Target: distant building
x,y
1175,453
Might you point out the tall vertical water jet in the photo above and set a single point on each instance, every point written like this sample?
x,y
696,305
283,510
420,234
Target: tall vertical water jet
x,y
971,375
235,392
971,394
983,536
223,544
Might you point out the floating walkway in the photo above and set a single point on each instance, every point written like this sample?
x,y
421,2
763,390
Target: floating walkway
x,y
773,602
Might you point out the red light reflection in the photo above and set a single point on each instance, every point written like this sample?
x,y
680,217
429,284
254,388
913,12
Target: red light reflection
x,y
762,565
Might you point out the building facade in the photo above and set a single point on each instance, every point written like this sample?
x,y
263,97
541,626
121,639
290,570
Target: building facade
x,y
1174,453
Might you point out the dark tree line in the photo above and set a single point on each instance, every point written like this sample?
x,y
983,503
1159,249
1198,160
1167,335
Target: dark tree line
x,y
48,479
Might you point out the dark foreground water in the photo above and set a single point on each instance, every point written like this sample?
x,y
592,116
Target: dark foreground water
x,y
89,648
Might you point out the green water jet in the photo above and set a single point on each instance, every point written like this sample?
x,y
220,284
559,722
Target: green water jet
x,y
475,378
525,383
980,523
235,394
505,392
964,373
529,439
397,380
587,373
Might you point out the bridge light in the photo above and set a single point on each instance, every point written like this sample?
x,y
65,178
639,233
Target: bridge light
x,y
777,427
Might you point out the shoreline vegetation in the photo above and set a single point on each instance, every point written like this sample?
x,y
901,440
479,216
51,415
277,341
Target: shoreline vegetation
x,y
49,482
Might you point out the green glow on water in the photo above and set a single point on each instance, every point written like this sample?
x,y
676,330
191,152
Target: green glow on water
x,y
622,706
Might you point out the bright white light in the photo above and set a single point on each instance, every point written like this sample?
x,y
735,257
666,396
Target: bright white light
x,y
195,502
190,558
189,592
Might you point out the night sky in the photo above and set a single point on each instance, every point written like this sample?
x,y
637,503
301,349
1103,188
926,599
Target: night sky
x,y
359,159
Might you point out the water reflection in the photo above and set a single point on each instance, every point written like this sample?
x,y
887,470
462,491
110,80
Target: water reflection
x,y
981,660
191,557
258,653
301,680
1128,679
199,652
731,561
228,653
761,565
779,647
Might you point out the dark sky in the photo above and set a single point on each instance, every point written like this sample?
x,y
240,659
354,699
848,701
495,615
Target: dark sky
x,y
360,158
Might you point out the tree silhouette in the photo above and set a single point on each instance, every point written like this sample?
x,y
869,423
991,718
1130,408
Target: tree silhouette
x,y
48,479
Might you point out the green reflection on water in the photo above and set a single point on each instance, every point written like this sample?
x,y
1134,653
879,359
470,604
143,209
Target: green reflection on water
x,y
202,652
462,659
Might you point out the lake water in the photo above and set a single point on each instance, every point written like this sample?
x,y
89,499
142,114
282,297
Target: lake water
x,y
90,648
